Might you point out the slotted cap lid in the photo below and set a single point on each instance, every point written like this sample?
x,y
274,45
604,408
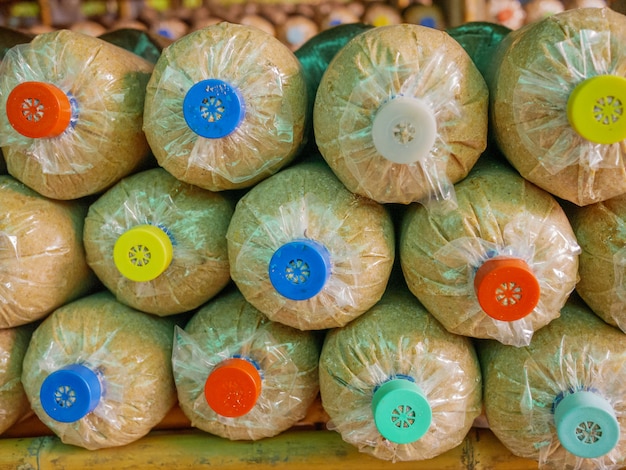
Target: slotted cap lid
x,y
213,108
586,424
233,387
38,109
506,288
404,130
401,412
299,269
595,109
143,253
71,393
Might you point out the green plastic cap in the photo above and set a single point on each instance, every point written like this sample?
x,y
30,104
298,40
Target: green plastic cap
x,y
401,412
586,424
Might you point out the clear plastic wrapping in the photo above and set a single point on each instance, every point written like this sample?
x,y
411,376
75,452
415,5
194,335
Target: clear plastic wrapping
x,y
128,351
500,217
600,229
100,93
13,401
232,139
571,148
286,360
401,114
308,204
315,55
42,259
523,388
398,338
8,38
194,221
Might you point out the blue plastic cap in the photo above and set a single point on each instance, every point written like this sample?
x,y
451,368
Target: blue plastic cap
x,y
299,269
213,109
166,33
70,393
428,21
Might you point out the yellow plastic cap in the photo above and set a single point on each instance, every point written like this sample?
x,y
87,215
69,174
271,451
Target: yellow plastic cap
x,y
143,253
595,109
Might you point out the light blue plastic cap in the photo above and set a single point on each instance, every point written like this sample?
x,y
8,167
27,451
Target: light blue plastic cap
x,y
586,424
213,109
70,393
299,269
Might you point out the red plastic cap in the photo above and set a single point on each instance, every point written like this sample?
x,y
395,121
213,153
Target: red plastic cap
x,y
233,387
38,109
506,288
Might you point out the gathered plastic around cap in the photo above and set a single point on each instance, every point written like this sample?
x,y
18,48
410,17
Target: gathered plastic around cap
x,y
71,393
38,109
388,161
544,105
595,109
233,387
213,108
143,253
404,130
586,424
506,288
299,269
401,412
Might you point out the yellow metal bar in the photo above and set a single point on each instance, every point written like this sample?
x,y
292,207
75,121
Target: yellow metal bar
x,y
295,449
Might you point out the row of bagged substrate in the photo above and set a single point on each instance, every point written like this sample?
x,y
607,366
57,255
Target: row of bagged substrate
x,y
78,106
383,370
200,106
394,382
500,266
238,213
311,259
402,129
559,234
100,374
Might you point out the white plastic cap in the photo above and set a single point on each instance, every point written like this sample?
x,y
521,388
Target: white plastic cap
x,y
404,130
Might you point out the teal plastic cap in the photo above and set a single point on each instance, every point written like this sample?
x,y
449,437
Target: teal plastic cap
x,y
70,393
299,269
586,424
401,412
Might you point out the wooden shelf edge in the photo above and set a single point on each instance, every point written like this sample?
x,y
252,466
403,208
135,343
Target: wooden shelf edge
x,y
173,445
294,449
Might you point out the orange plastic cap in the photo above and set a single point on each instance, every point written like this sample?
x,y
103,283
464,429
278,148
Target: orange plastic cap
x,y
233,387
38,109
506,288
